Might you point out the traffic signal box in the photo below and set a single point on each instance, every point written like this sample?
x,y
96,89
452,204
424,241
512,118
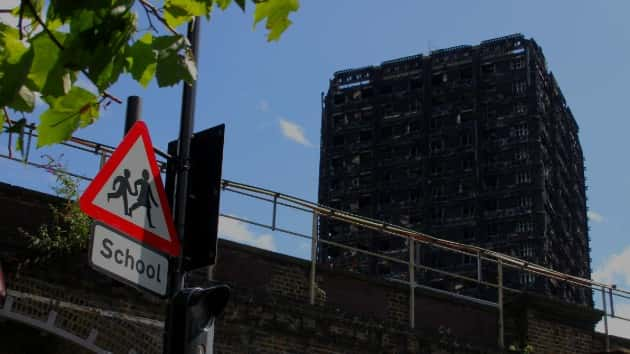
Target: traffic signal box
x,y
194,311
204,188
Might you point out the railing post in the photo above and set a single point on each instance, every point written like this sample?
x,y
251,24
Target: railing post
x,y
500,302
275,208
412,283
312,283
479,275
605,319
26,154
102,160
612,303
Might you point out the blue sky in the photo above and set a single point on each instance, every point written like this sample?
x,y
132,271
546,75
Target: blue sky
x,y
268,94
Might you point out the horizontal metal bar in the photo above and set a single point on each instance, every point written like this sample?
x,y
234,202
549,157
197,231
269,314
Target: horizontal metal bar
x,y
620,317
266,226
621,295
270,200
44,166
369,253
449,294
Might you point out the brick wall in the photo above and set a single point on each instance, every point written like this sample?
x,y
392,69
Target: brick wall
x,y
551,337
352,314
550,326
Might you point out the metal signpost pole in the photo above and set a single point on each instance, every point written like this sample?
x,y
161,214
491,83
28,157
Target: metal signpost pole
x,y
181,187
134,107
183,151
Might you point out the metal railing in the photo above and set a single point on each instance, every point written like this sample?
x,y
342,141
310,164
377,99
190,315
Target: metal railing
x,y
482,256
502,261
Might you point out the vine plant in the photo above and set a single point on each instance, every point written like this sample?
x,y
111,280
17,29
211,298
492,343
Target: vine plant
x,y
69,228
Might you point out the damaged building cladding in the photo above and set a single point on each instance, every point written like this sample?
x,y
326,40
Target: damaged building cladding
x,y
474,144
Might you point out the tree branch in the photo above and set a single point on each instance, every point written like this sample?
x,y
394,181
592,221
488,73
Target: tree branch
x,y
60,46
152,9
151,26
20,19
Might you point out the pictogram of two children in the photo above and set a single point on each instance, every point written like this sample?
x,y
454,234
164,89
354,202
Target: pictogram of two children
x,y
142,189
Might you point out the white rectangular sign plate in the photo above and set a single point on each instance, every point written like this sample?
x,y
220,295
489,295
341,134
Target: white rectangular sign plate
x,y
118,256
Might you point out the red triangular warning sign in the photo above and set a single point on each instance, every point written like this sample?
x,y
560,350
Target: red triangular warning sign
x,y
128,194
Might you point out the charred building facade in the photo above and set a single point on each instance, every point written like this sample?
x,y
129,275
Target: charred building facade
x,y
475,144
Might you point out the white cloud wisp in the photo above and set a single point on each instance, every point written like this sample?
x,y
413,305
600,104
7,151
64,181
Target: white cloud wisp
x,y
238,231
595,216
294,132
617,265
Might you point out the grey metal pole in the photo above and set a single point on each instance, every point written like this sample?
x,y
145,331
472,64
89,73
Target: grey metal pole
x,y
500,302
605,319
102,160
412,283
134,110
312,282
612,302
273,217
181,184
479,269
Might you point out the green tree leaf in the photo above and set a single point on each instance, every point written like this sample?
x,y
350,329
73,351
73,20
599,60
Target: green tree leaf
x,y
66,114
3,119
223,4
15,62
48,74
172,67
142,60
277,14
105,76
24,100
177,12
97,44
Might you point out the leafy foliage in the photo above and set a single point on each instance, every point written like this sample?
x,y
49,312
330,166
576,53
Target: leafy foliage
x,y
277,15
70,227
52,47
527,349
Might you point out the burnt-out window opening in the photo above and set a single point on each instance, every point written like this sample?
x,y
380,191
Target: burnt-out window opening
x,y
491,182
466,138
466,73
520,88
365,136
488,68
520,108
523,178
339,98
437,145
492,229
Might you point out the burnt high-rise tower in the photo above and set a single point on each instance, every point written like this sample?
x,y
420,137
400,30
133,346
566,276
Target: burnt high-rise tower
x,y
474,144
